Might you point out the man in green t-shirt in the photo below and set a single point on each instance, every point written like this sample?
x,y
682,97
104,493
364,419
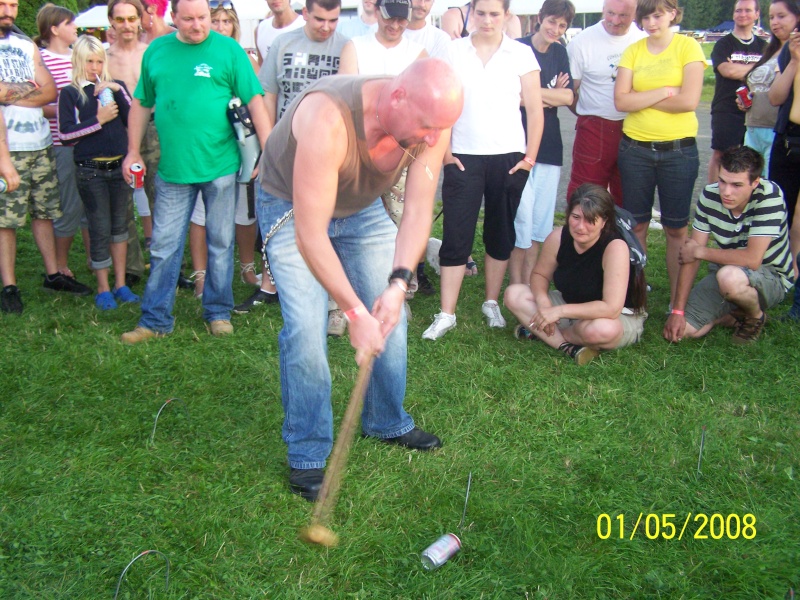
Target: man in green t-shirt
x,y
189,77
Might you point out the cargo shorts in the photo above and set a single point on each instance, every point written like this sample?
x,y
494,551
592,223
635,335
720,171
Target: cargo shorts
x,y
37,193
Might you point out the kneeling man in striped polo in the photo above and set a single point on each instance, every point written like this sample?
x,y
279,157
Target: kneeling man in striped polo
x,y
750,270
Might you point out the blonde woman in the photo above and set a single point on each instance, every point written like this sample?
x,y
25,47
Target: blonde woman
x,y
95,122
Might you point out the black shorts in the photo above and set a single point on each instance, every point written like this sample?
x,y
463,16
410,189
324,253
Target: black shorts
x,y
727,130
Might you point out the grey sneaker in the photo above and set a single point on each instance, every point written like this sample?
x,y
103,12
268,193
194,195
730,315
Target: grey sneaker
x,y
494,317
337,324
442,323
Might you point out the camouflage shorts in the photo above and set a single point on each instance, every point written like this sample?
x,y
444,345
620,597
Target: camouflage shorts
x,y
37,193
151,154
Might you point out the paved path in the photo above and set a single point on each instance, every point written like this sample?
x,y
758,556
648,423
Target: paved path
x,y
568,136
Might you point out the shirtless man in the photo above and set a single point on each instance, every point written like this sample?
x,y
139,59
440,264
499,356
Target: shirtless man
x,y
456,23
124,63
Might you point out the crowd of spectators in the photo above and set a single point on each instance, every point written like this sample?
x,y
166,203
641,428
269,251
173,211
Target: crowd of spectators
x,y
633,82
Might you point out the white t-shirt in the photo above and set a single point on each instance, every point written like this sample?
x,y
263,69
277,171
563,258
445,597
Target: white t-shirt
x,y
490,122
354,27
593,58
376,59
433,39
28,130
266,33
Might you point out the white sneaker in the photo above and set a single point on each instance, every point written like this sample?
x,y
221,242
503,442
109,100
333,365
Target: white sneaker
x,y
442,323
337,324
494,317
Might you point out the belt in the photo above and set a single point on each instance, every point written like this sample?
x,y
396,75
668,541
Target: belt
x,y
663,146
100,165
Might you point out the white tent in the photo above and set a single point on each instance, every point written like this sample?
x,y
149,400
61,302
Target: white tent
x,y
97,16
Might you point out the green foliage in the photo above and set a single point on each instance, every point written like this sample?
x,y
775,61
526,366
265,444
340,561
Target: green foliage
x,y
551,446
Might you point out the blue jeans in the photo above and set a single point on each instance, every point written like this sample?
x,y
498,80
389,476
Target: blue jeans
x,y
105,197
173,207
672,172
364,243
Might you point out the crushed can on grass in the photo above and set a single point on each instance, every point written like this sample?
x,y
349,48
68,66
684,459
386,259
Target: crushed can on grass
x,y
137,176
440,551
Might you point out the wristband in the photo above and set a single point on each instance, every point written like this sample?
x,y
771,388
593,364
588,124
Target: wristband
x,y
401,284
529,160
669,93
405,275
352,314
675,311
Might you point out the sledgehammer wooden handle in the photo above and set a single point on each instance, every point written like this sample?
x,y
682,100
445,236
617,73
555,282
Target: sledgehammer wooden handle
x,y
329,492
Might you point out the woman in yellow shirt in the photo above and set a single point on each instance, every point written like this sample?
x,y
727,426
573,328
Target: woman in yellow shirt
x,y
658,84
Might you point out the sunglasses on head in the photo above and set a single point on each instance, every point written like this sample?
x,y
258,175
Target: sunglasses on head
x,y
121,20
226,4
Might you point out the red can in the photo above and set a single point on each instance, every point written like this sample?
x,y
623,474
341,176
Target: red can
x,y
440,551
137,176
745,96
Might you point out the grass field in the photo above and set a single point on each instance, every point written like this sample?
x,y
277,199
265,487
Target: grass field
x,y
551,446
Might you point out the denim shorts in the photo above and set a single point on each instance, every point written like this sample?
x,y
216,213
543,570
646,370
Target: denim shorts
x,y
671,172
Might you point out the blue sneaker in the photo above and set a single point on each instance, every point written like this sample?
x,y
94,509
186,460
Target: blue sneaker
x,y
105,301
124,294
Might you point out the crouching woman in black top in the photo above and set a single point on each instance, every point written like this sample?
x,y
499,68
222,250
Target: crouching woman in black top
x,y
599,300
95,121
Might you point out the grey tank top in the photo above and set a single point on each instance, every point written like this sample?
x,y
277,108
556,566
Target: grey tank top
x,y
360,182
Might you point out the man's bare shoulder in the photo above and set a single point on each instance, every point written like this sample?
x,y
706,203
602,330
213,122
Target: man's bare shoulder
x,y
117,50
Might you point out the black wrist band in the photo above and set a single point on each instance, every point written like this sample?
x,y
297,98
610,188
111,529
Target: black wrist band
x,y
403,274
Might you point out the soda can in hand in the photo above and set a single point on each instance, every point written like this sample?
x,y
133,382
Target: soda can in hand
x,y
137,176
745,96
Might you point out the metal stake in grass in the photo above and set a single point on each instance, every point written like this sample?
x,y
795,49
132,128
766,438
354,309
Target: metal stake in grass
x,y
702,444
145,553
466,499
163,406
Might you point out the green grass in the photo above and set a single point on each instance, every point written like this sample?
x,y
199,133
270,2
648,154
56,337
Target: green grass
x,y
708,75
551,447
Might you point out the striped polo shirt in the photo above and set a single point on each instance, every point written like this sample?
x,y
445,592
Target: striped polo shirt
x,y
764,215
60,68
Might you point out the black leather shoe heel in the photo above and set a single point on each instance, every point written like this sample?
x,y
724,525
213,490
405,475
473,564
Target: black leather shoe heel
x,y
306,482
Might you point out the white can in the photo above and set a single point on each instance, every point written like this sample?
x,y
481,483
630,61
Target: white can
x,y
440,551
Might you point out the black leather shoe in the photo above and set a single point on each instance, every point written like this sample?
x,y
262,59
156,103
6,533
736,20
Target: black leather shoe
x,y
416,439
184,282
306,482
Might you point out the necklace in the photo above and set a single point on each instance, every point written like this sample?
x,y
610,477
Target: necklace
x,y
378,118
745,42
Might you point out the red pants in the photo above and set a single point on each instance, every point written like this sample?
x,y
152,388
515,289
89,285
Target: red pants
x,y
594,155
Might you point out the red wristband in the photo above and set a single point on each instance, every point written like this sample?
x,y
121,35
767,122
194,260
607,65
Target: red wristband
x,y
675,311
355,312
529,160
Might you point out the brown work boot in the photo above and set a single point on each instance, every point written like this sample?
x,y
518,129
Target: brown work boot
x,y
221,327
749,328
140,334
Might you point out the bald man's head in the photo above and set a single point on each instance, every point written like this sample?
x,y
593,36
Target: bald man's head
x,y
618,16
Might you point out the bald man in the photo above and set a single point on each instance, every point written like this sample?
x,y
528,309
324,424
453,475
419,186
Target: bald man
x,y
338,146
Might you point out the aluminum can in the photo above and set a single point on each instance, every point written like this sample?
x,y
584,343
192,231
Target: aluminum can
x,y
3,185
105,97
137,176
440,551
745,96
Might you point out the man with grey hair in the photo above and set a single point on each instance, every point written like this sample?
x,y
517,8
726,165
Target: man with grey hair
x,y
593,58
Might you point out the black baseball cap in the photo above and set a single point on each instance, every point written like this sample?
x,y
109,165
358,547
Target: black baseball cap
x,y
393,9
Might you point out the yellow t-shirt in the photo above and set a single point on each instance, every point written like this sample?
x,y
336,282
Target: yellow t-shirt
x,y
652,71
